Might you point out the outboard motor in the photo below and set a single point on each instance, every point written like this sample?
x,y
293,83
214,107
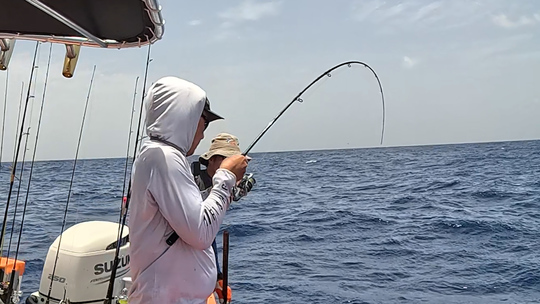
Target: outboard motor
x,y
84,265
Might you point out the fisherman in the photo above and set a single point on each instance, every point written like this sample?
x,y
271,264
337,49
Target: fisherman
x,y
222,146
165,199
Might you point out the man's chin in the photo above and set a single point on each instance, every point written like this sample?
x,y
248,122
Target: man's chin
x,y
190,152
192,149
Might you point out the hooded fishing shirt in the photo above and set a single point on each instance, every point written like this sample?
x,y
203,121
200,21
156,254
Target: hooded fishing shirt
x,y
166,199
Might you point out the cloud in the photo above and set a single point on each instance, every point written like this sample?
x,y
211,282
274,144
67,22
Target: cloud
x,y
510,47
363,10
504,21
395,10
249,11
195,22
426,15
427,11
444,15
408,62
224,34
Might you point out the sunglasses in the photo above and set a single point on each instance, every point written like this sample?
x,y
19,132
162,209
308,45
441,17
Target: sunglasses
x,y
206,122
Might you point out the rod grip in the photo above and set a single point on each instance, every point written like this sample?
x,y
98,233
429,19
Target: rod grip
x,y
225,264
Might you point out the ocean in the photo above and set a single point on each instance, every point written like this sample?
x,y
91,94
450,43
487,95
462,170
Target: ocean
x,y
425,224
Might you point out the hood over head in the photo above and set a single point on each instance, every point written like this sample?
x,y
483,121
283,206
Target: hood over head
x,y
173,109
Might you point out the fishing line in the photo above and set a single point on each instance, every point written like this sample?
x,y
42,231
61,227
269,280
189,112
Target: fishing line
x,y
297,98
23,162
125,205
314,89
14,166
34,154
4,116
71,182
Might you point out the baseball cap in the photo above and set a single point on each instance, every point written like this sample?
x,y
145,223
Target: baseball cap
x,y
209,114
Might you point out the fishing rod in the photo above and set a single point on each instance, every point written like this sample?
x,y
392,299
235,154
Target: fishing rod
x,y
129,134
127,152
225,287
18,119
32,165
119,236
125,204
4,117
71,182
27,134
23,162
12,277
14,148
14,167
297,98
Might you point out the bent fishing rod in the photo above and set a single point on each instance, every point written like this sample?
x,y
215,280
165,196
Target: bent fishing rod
x,y
299,99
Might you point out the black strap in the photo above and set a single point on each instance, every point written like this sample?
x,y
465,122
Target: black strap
x,y
207,183
172,239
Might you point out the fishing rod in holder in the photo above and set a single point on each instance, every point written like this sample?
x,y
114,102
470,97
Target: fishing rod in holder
x,y
126,200
299,99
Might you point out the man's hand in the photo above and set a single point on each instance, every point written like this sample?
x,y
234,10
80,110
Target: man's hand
x,y
237,164
219,291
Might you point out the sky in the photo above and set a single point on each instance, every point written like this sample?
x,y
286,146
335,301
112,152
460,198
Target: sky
x,y
452,72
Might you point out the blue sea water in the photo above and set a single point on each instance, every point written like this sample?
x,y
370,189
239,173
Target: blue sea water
x,y
427,224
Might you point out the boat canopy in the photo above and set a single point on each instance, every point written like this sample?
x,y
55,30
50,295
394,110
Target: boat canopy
x,y
95,23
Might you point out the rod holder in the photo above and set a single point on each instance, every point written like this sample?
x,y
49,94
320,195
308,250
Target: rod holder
x,y
6,50
70,62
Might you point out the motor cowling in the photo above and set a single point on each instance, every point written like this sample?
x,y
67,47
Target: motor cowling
x,y
85,262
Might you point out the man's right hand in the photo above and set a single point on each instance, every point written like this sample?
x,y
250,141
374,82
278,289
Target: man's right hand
x,y
237,164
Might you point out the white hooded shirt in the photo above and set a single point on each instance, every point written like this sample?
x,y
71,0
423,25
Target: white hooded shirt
x,y
165,198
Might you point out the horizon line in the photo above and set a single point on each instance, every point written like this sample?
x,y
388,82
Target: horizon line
x,y
312,150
